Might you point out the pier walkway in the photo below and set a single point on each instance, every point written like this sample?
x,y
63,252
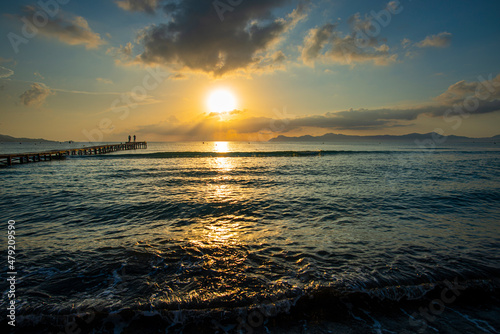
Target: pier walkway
x,y
22,158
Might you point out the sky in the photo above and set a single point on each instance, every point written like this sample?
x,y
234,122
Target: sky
x,y
182,70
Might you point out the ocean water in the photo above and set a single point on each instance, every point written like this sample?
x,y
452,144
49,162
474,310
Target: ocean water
x,y
188,231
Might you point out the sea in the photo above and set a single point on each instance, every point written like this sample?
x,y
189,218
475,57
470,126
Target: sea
x,y
238,237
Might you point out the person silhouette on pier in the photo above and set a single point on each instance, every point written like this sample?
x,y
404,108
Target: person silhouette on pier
x,y
134,138
129,138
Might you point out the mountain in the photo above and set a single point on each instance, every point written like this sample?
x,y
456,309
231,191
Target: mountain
x,y
333,137
9,139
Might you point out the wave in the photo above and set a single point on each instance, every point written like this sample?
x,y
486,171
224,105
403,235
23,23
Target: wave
x,y
257,154
319,303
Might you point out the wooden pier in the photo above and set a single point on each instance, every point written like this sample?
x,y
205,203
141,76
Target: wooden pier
x,y
22,158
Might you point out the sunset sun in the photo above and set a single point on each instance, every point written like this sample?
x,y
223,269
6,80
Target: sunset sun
x,y
221,100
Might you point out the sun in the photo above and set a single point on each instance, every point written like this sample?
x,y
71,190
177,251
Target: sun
x,y
221,100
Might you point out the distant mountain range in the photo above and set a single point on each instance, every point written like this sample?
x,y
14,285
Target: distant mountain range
x,y
9,139
332,137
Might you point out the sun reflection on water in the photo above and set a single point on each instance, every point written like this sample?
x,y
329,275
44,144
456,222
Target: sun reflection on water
x,y
222,164
222,232
221,147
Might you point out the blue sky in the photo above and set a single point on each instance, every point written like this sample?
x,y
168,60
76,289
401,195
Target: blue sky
x,y
305,63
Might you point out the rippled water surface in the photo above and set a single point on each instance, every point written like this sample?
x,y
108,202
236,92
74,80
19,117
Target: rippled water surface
x,y
228,224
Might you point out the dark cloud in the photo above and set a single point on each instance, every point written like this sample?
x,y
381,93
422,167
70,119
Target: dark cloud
x,y
466,107
36,95
196,39
358,119
362,119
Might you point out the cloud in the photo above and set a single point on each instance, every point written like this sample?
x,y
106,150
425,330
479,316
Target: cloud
x,y
486,90
440,40
68,28
37,74
406,42
278,57
211,125
36,95
316,41
358,119
361,119
147,6
122,54
270,62
179,76
479,97
327,44
196,39
5,72
104,81
226,113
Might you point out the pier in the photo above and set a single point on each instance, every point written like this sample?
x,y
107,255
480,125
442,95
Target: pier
x,y
23,158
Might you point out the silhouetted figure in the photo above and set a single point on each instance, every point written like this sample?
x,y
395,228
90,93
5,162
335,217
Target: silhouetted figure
x,y
129,138
134,138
